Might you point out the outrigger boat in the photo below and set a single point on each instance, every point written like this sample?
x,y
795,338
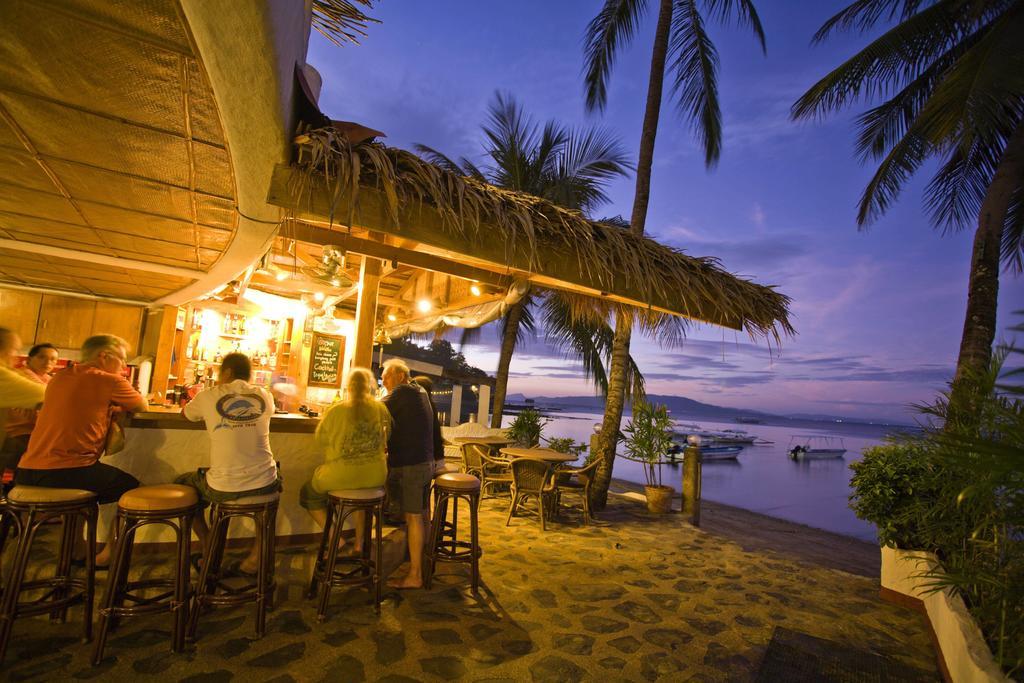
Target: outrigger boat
x,y
811,447
707,453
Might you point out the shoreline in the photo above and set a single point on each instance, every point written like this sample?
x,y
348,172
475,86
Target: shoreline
x,y
754,531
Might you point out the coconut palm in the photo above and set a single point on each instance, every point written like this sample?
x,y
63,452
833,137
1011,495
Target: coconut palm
x,y
681,40
950,78
571,168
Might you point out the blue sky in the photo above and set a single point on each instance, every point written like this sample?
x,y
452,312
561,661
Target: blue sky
x,y
878,312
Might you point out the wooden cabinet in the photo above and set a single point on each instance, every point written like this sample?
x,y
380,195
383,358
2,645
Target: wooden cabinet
x,y
64,321
121,320
19,311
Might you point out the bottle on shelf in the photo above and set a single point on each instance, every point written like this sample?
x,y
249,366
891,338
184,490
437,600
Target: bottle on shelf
x,y
217,358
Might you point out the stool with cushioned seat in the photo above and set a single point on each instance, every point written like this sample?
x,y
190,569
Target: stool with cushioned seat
x,y
262,510
171,505
356,571
27,508
444,534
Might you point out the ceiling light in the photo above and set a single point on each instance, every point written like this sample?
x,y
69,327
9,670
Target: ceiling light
x,y
318,297
281,276
424,305
474,289
392,317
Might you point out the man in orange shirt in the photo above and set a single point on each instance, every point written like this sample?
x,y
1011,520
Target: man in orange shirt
x,y
71,430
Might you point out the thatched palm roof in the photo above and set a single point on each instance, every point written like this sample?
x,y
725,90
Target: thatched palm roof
x,y
335,177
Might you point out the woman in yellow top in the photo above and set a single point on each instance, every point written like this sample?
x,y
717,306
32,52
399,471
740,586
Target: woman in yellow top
x,y
353,435
16,391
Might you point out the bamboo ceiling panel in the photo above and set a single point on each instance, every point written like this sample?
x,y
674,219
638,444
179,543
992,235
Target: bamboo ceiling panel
x,y
110,143
47,271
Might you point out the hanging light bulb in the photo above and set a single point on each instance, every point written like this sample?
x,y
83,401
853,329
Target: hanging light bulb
x,y
424,305
474,289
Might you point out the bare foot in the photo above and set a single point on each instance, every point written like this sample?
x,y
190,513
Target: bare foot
x,y
407,582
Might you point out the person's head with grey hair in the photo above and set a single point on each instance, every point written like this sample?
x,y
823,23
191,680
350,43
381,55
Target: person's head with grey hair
x,y
107,352
395,372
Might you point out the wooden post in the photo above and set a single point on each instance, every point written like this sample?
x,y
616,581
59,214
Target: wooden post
x,y
691,483
484,408
456,405
366,311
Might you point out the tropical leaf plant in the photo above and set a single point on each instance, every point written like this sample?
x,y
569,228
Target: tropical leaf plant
x,y
342,21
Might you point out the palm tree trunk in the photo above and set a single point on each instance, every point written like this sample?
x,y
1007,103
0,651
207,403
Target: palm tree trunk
x,y
508,346
614,403
983,286
641,199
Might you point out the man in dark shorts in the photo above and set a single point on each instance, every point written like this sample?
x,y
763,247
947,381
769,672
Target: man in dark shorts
x,y
410,461
71,431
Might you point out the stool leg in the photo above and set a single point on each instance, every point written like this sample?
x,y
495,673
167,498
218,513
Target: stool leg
x,y
320,553
90,516
332,557
117,571
9,608
203,585
474,543
260,521
271,554
181,583
68,526
378,565
436,534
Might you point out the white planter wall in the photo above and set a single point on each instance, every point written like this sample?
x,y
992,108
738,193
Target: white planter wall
x,y
961,645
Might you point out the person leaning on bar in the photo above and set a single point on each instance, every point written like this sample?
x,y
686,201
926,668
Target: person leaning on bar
x,y
42,359
237,416
71,430
16,391
353,435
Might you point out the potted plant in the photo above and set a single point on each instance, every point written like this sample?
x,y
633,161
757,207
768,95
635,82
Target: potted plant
x,y
527,427
648,439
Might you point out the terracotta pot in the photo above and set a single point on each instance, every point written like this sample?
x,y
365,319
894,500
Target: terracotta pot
x,y
659,499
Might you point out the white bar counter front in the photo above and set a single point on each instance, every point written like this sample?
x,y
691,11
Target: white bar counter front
x,y
161,444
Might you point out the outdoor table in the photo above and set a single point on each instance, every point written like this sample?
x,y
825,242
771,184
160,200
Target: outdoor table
x,y
545,454
496,441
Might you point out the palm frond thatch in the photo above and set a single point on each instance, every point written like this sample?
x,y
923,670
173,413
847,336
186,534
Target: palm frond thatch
x,y
477,212
341,21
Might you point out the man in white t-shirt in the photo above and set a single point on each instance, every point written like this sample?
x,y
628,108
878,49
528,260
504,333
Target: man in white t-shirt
x,y
237,416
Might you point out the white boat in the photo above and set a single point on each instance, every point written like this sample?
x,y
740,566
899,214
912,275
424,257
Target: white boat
x,y
708,453
813,447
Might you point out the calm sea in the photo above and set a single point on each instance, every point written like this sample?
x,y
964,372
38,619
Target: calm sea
x,y
764,479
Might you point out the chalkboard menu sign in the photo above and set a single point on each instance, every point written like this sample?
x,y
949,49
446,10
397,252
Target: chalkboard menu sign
x,y
325,361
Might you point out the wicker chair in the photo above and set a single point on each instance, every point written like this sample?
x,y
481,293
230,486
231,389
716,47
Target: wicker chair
x,y
531,478
496,472
576,481
471,462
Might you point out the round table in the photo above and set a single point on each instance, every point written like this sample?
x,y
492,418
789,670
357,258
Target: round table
x,y
545,454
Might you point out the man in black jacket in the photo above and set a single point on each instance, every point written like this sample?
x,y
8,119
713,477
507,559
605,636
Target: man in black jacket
x,y
410,461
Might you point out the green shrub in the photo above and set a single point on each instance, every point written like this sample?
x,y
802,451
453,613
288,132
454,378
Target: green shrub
x,y
892,485
527,428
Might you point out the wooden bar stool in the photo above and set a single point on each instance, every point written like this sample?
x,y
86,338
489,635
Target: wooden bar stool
x,y
445,544
171,505
26,509
262,510
355,571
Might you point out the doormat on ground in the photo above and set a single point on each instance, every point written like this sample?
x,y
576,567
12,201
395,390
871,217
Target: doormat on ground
x,y
797,657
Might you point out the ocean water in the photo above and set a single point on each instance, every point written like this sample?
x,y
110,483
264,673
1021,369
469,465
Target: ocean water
x,y
763,479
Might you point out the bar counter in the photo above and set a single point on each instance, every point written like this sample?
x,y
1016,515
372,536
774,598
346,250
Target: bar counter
x,y
161,444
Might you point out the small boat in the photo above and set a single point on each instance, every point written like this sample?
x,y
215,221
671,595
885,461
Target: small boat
x,y
733,437
707,453
749,420
812,447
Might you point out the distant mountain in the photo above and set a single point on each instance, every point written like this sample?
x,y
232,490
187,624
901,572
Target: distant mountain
x,y
682,406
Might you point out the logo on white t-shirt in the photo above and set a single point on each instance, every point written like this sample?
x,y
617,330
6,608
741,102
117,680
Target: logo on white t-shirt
x,y
241,408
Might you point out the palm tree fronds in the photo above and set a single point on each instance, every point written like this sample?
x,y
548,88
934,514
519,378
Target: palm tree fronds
x,y
439,159
864,14
1013,234
695,66
341,21
612,29
746,15
955,193
887,182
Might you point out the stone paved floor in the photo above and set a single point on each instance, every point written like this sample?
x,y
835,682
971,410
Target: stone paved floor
x,y
636,598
